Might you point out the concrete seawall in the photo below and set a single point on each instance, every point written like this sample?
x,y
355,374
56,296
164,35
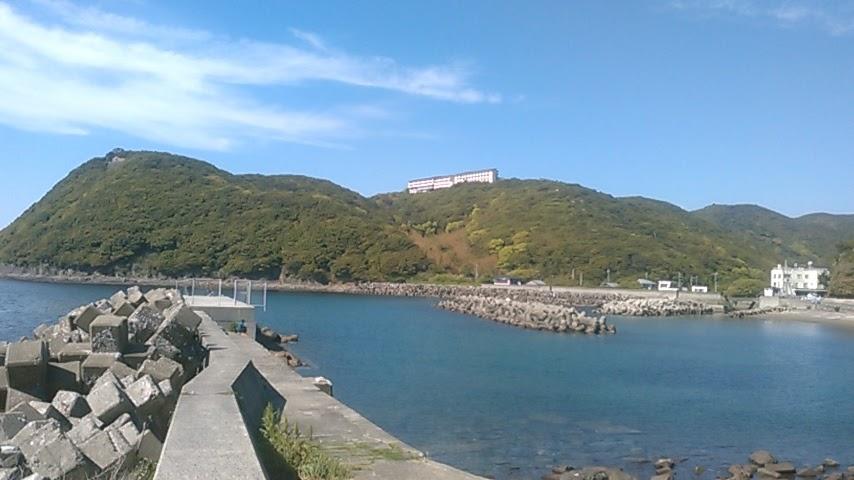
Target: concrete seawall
x,y
218,413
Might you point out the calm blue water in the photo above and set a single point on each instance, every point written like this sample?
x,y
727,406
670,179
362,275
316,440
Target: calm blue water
x,y
510,403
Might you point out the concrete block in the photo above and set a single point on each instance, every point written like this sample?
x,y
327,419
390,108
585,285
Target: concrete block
x,y
183,315
84,430
26,364
117,297
136,354
11,457
108,377
162,348
15,397
173,333
130,433
121,370
10,424
145,395
103,306
108,401
60,459
108,333
63,376
47,412
99,449
149,446
3,346
74,352
158,299
85,317
35,435
163,369
123,309
11,473
71,404
4,386
95,365
143,322
166,389
135,296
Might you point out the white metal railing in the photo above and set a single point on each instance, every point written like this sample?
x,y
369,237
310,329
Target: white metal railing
x,y
242,290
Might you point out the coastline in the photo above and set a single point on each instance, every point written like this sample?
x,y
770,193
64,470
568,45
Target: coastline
x,y
837,319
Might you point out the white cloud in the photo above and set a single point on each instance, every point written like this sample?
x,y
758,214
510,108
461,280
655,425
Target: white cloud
x,y
91,70
834,17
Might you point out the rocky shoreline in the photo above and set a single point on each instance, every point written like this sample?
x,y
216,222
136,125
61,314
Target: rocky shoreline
x,y
760,464
528,314
92,395
647,307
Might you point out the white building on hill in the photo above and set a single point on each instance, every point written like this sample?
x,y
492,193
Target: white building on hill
x,y
446,181
797,280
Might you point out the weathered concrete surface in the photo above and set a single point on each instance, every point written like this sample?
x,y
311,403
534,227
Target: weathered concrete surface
x,y
208,438
341,430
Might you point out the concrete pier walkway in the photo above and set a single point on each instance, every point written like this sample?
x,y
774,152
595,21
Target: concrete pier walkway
x,y
219,412
372,452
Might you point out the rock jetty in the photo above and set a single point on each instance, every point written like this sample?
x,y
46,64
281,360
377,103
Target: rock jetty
x,y
92,395
648,307
532,315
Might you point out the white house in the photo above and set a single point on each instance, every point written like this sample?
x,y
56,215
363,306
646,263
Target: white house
x,y
446,181
666,286
699,289
798,280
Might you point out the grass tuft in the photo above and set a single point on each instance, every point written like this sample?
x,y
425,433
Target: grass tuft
x,y
292,455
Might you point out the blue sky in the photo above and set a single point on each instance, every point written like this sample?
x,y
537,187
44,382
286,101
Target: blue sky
x,y
687,101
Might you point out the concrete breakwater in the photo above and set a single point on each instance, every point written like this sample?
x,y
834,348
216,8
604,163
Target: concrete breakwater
x,y
646,307
528,314
93,394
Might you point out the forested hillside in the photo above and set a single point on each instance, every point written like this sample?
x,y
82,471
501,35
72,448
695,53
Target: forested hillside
x,y
150,213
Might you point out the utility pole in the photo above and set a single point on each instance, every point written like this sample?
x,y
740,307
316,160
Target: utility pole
x,y
580,279
679,285
716,282
608,276
475,272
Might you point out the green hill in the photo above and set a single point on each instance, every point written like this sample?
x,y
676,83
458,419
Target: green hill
x,y
547,229
813,237
156,213
149,213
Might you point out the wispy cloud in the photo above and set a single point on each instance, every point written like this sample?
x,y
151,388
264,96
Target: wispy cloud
x,y
834,17
80,69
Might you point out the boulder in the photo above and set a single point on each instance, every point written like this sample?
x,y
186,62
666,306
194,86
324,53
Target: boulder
x,y
108,333
830,463
765,472
26,364
108,401
808,472
71,404
784,468
762,457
